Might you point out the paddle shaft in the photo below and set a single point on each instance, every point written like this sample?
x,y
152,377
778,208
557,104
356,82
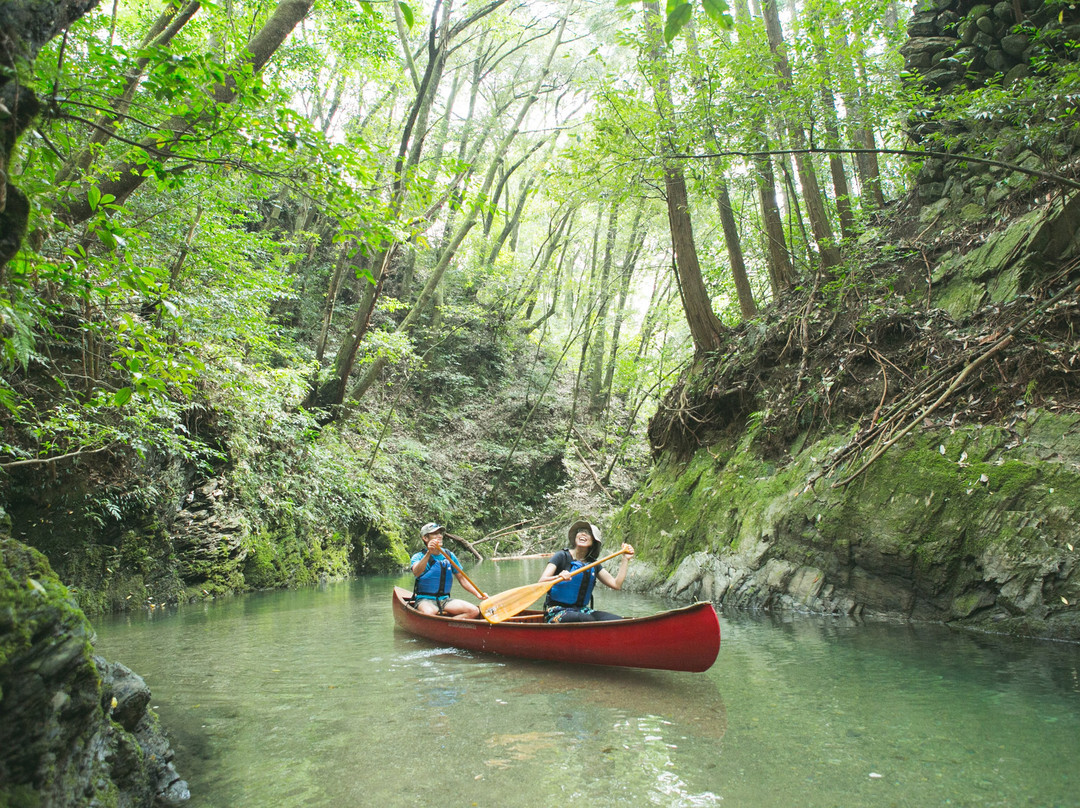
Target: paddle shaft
x,y
597,563
506,604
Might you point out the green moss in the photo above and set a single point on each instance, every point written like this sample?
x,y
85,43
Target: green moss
x,y
20,796
260,568
959,297
31,599
375,551
964,605
919,522
706,504
283,558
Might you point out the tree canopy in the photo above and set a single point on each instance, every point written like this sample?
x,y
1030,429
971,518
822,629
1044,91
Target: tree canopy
x,y
255,226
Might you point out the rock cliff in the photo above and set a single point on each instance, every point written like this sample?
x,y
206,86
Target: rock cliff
x,y
76,730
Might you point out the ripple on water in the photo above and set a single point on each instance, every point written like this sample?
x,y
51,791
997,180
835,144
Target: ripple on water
x,y
312,698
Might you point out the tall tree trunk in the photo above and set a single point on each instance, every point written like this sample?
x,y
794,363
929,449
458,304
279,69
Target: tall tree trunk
x,y
565,226
706,330
470,218
732,242
734,250
599,343
844,210
651,315
866,162
777,257
811,189
633,250
511,222
332,391
836,163
585,313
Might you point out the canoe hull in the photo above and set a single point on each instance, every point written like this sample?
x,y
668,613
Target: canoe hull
x,y
686,639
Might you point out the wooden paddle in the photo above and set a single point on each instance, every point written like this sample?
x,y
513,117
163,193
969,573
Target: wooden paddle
x,y
459,569
506,604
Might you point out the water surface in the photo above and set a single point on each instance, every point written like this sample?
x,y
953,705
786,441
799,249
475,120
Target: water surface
x,y
314,698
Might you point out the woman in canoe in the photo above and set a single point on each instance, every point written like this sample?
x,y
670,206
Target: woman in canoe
x,y
570,600
434,575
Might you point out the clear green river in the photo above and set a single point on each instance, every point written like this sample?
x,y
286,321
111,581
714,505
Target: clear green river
x,y
314,698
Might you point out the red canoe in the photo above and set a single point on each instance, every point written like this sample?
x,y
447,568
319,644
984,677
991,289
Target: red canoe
x,y
686,639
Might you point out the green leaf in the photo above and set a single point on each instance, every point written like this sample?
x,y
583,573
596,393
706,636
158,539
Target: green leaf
x,y
407,13
717,10
107,238
122,397
367,8
93,196
676,19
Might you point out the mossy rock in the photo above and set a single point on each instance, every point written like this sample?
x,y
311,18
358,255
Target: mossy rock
x,y
960,297
970,525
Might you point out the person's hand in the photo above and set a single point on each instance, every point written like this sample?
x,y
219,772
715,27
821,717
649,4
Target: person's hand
x,y
435,545
627,550
565,575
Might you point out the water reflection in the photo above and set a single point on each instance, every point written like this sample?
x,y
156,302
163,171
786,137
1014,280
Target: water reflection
x,y
312,698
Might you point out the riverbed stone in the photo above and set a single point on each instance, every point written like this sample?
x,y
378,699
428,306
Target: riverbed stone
x,y
923,25
1015,44
806,584
998,61
1017,74
131,694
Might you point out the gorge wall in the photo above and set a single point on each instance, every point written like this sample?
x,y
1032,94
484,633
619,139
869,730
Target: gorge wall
x,y
76,730
959,364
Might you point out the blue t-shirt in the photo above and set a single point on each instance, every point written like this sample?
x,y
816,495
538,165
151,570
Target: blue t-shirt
x,y
437,579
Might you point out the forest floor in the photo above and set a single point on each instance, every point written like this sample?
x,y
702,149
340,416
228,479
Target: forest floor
x,y
866,345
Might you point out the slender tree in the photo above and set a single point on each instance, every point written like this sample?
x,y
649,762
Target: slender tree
x,y
473,212
705,327
732,240
811,189
778,258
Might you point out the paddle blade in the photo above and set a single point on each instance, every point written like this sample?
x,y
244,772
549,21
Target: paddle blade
x,y
506,604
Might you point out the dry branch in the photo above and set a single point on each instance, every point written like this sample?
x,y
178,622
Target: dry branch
x,y
466,545
884,431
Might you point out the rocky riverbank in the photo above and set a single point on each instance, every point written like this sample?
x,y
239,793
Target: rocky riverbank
x,y
76,730
904,440
974,526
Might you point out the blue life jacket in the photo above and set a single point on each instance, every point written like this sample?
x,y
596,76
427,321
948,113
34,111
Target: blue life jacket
x,y
437,578
576,592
